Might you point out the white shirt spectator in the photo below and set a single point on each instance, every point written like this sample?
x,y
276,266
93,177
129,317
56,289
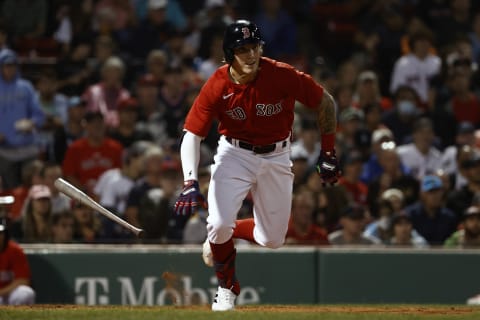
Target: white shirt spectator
x,y
113,188
411,71
420,164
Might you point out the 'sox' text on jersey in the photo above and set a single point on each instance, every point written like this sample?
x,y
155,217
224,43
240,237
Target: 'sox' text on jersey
x,y
267,110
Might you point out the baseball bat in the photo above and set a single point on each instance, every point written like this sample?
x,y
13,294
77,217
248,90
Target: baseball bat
x,y
74,193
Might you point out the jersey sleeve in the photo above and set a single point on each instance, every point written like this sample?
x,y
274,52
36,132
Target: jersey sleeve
x,y
20,266
202,113
300,85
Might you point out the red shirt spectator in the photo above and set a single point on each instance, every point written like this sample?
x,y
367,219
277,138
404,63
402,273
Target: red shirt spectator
x,y
87,158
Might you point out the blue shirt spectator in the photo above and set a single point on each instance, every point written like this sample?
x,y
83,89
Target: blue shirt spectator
x,y
429,216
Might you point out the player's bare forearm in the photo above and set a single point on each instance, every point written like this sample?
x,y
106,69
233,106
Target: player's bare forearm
x,y
327,120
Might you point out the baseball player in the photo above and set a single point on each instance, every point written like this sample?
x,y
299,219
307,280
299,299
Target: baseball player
x,y
252,97
14,272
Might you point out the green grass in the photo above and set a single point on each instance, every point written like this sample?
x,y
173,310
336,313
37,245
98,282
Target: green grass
x,y
280,312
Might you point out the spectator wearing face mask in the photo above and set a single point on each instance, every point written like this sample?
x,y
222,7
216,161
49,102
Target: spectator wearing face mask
x,y
400,119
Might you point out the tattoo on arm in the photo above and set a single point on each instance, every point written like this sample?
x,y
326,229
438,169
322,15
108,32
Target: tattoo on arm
x,y
327,120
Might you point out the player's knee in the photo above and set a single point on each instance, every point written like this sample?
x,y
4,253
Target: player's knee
x,y
270,243
274,244
22,295
219,232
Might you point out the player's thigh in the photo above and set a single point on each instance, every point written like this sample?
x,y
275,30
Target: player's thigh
x,y
272,198
230,182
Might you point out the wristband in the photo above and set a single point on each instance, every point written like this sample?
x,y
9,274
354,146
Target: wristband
x,y
328,142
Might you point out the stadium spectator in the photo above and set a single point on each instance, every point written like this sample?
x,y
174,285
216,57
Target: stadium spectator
x,y
302,229
127,131
30,175
384,211
279,30
469,235
62,226
88,157
455,154
459,200
429,216
372,168
368,92
105,95
350,179
307,141
114,185
151,32
72,130
421,156
49,173
393,175
403,234
20,116
352,222
87,226
417,68
34,225
401,117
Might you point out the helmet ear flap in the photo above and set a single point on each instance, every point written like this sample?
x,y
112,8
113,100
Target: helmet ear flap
x,y
229,55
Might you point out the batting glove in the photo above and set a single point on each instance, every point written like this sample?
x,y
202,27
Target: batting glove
x,y
327,167
189,199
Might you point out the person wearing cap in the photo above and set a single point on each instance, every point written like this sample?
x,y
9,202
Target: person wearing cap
x,y
469,235
352,165
71,131
453,154
367,92
20,116
459,200
372,168
429,215
34,226
352,222
350,123
15,288
127,131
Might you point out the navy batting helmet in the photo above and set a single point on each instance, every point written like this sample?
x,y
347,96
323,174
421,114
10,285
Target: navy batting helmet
x,y
239,33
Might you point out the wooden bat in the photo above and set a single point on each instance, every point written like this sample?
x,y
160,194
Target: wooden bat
x,y
74,193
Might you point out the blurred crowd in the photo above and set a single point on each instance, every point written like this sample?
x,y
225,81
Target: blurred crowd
x,y
95,92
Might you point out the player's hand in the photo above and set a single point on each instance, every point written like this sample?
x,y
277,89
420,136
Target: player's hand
x,y
327,167
190,198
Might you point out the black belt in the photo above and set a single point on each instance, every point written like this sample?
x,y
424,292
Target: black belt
x,y
257,149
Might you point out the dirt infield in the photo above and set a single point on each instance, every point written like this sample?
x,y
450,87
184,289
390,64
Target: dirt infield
x,y
391,309
413,310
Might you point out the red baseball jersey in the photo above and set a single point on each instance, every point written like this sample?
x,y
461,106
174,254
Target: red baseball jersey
x,y
13,264
86,162
259,112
